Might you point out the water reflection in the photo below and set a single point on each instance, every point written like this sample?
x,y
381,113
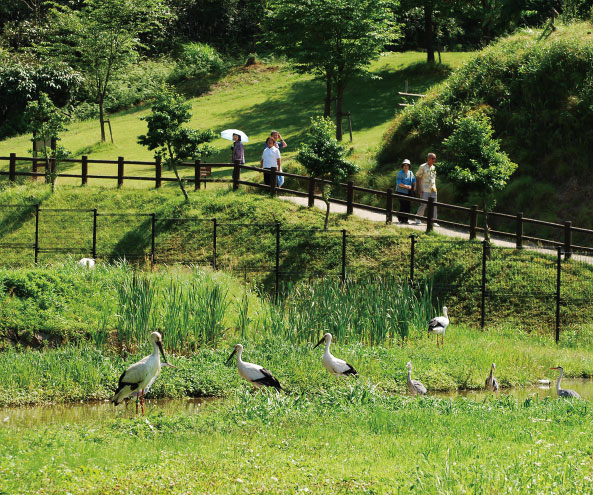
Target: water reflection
x,y
93,411
583,386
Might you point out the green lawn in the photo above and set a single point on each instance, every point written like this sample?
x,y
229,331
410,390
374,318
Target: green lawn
x,y
258,99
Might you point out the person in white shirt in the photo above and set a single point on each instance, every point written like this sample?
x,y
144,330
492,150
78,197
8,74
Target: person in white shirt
x,y
426,185
270,159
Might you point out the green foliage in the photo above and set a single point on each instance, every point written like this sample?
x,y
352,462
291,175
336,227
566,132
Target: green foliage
x,y
195,61
166,134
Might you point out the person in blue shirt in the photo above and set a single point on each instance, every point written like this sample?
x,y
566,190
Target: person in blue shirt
x,y
406,184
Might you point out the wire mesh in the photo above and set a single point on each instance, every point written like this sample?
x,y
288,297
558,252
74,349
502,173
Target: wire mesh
x,y
384,254
17,234
65,233
184,241
133,239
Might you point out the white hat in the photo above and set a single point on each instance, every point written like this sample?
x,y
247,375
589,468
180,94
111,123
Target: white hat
x,y
406,161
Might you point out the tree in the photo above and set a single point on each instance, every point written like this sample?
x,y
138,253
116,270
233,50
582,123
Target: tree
x,y
173,142
101,39
325,158
473,160
332,39
46,122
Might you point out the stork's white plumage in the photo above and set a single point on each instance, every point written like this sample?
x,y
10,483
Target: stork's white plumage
x,y
414,386
255,374
87,262
138,376
137,393
438,326
564,392
334,365
491,381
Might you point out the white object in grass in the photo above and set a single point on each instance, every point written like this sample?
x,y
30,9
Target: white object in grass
x,y
335,366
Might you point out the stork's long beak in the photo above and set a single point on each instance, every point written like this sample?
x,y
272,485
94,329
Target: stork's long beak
x,y
231,356
555,368
160,344
322,340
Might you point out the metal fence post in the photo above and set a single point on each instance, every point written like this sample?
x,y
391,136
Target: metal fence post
x,y
343,255
120,171
519,230
85,169
350,198
567,239
430,214
389,207
12,168
152,239
277,268
485,248
158,172
198,175
558,279
94,253
412,256
473,222
311,197
214,226
236,174
36,232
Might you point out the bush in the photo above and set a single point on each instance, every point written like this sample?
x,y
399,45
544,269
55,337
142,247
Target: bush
x,y
196,60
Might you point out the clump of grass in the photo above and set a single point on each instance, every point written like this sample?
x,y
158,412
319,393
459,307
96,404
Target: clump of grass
x,y
136,296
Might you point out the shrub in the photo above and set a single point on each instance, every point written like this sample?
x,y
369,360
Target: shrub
x,y
196,60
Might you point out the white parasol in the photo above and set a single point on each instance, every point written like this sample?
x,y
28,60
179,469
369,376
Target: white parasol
x,y
228,134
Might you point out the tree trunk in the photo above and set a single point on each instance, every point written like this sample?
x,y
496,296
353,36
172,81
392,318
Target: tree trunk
x,y
428,34
486,229
101,114
174,167
327,205
328,95
339,100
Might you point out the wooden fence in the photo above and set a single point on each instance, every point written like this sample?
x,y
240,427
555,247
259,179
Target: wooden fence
x,y
457,217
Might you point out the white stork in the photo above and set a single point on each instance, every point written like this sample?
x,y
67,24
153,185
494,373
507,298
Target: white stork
x,y
137,393
334,365
414,386
491,381
255,374
87,262
438,326
564,392
138,376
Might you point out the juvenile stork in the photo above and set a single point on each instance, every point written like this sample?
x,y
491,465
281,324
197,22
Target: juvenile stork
x,y
438,326
491,382
141,374
253,373
334,365
564,392
414,386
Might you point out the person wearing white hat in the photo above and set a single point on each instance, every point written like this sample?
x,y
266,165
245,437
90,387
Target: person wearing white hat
x,y
406,184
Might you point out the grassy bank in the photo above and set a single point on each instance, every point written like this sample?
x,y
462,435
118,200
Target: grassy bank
x,y
350,440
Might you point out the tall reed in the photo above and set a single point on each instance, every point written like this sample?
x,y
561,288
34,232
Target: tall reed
x,y
136,296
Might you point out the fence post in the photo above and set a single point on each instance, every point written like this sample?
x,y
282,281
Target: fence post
x,y
94,253
519,230
311,192
158,172
152,239
343,255
558,278
36,232
430,214
52,166
473,222
34,168
389,207
412,256
350,198
214,226
567,239
277,268
198,175
12,168
120,171
236,174
273,181
485,248
85,170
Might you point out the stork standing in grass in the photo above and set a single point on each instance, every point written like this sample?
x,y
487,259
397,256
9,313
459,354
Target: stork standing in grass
x,y
255,374
334,365
491,382
564,392
414,386
438,326
141,374
87,262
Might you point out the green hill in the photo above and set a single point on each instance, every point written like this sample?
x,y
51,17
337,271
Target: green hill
x,y
538,92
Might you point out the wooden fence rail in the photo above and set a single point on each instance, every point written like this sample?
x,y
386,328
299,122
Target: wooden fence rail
x,y
313,188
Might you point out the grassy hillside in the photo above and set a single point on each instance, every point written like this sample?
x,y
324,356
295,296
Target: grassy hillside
x,y
259,98
538,93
